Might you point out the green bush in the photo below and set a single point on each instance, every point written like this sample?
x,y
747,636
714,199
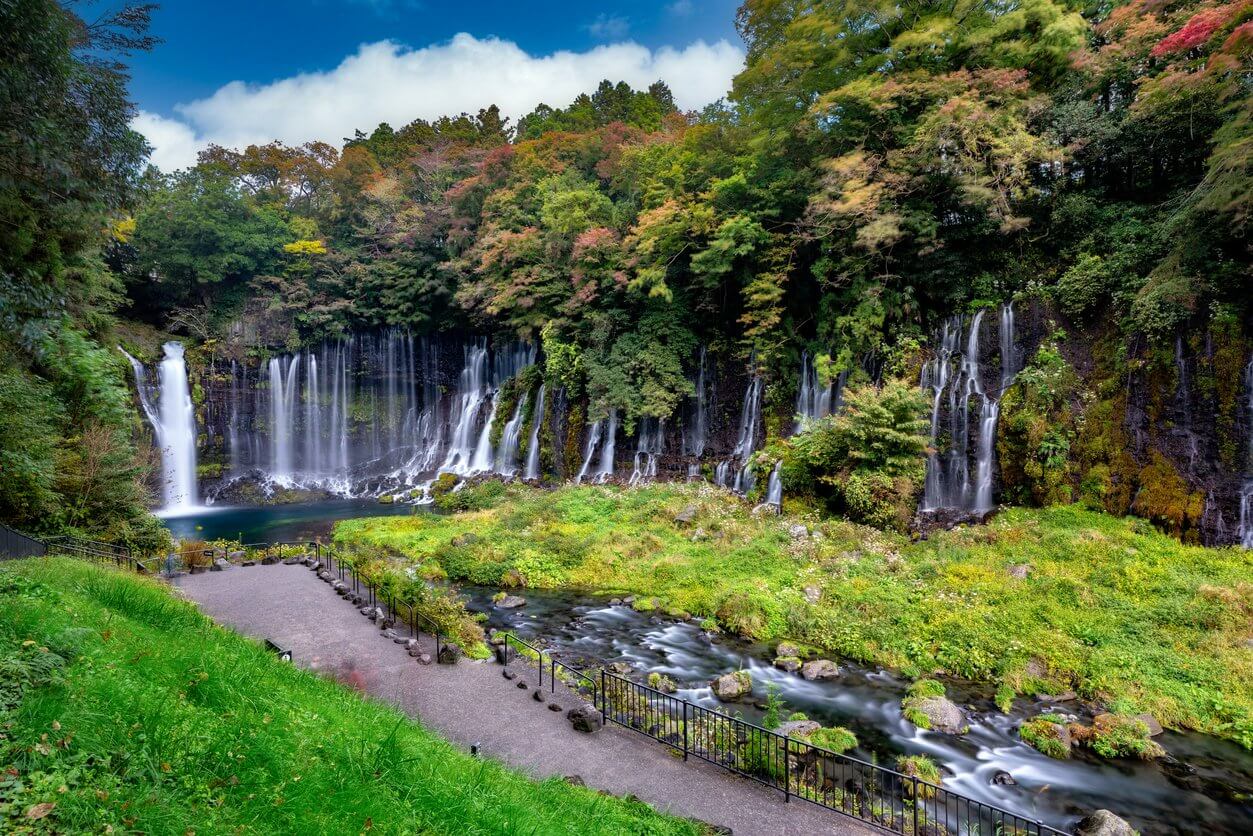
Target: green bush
x,y
836,739
866,461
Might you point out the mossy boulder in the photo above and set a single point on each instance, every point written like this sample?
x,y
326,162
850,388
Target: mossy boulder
x,y
922,768
1104,823
731,687
662,683
1047,734
927,708
1117,736
791,664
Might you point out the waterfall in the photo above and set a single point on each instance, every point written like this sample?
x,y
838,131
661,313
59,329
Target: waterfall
x,y
746,442
510,438
532,447
696,434
948,481
1245,531
1009,353
173,422
472,389
774,490
482,460
987,442
814,401
365,413
605,471
282,415
648,447
589,450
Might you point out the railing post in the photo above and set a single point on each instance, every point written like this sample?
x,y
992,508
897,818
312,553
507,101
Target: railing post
x,y
915,794
787,768
685,743
541,669
604,700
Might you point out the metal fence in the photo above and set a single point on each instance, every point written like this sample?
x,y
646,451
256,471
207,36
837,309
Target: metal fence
x,y
97,551
15,544
884,798
400,612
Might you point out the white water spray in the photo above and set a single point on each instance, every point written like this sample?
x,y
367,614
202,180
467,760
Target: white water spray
x,y
173,422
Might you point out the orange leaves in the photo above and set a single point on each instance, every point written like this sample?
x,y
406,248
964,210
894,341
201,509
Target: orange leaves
x,y
1198,30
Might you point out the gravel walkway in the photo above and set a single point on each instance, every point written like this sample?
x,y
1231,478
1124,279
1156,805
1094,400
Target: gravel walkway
x,y
472,702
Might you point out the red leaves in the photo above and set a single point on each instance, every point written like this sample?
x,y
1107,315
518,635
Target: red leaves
x,y
1197,31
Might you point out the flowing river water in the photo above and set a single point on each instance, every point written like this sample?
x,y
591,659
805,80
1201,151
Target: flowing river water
x,y
1204,786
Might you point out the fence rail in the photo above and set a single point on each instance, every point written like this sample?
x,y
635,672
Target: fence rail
x,y
875,795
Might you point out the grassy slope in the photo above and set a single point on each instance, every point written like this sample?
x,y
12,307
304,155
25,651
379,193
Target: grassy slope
x,y
1114,609
164,723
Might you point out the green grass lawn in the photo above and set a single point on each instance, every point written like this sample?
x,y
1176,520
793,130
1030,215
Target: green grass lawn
x,y
1111,608
124,710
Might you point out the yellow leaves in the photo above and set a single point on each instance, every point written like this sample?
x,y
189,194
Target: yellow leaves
x,y
123,229
305,247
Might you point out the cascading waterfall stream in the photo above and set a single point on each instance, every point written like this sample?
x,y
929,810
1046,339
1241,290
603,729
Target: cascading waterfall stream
x,y
510,441
648,447
368,414
696,433
173,422
605,471
813,400
589,450
948,480
745,444
473,389
774,489
532,447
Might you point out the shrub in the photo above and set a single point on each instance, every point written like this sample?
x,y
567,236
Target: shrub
x,y
836,739
867,461
922,768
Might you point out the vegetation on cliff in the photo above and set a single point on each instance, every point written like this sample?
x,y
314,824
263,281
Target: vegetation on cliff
x,y
1036,601
125,709
862,182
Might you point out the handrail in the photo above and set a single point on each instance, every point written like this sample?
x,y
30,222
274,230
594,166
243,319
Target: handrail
x,y
913,807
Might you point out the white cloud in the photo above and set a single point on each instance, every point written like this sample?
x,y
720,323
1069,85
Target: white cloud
x,y
388,82
680,8
609,27
174,144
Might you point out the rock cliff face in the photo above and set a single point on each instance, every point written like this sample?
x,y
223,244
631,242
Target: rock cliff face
x,y
1025,407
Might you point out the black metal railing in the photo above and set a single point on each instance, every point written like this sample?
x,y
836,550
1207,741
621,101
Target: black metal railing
x,y
410,616
14,544
884,798
98,551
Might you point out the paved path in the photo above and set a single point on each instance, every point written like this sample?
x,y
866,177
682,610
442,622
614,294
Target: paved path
x,y
472,702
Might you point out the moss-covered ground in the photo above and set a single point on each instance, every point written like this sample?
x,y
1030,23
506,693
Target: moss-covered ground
x,y
123,710
1038,600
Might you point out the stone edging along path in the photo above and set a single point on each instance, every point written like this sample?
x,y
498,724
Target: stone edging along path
x,y
471,703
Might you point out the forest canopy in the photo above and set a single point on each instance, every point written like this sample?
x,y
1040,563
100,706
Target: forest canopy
x,y
875,167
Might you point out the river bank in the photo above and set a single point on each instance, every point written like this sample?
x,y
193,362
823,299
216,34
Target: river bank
x,y
1039,601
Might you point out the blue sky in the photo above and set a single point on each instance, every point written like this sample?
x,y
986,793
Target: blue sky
x,y
235,72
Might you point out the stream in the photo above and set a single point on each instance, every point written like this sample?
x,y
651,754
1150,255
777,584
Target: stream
x,y
1203,786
